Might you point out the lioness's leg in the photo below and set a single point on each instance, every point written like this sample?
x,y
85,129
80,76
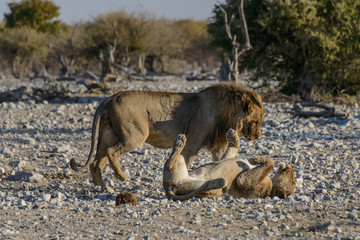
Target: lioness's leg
x,y
234,142
196,188
253,177
189,151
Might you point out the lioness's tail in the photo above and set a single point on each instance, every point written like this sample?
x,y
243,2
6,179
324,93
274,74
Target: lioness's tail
x,y
94,136
209,185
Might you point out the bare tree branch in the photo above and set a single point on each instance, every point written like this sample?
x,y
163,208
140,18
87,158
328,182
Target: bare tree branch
x,y
246,45
230,70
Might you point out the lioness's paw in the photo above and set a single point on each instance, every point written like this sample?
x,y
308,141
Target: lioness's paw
x,y
180,141
218,183
258,160
282,166
232,137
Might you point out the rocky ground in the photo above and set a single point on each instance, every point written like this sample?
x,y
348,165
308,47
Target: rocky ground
x,y
42,198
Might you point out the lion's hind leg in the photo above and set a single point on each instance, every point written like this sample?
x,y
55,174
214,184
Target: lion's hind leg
x,y
96,169
108,141
114,157
124,142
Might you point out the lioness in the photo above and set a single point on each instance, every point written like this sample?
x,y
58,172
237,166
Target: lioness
x,y
230,176
126,120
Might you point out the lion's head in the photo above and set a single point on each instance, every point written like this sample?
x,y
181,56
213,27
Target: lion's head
x,y
240,108
250,120
283,181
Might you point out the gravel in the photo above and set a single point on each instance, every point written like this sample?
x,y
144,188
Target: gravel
x,y
42,198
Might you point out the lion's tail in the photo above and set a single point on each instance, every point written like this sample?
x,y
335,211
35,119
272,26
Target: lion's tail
x,y
94,136
207,186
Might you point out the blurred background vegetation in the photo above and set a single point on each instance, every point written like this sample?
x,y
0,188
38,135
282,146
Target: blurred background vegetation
x,y
310,47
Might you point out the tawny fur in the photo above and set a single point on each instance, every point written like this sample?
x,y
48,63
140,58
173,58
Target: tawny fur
x,y
230,176
126,120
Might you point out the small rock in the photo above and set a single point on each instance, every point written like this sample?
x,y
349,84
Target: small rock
x,y
60,196
107,188
329,226
36,177
5,169
302,198
146,179
63,148
222,224
352,215
6,152
46,197
18,164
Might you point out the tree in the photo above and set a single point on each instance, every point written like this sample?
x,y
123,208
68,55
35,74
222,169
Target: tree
x,y
66,49
23,46
310,46
35,14
230,70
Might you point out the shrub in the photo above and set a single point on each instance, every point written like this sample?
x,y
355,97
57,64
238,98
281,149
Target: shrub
x,y
311,46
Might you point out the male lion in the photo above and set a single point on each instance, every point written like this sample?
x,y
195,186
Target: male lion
x,y
126,120
230,176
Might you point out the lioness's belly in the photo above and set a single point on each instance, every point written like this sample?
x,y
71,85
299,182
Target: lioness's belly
x,y
228,169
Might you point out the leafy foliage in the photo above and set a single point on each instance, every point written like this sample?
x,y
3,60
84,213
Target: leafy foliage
x,y
35,14
134,40
22,46
312,46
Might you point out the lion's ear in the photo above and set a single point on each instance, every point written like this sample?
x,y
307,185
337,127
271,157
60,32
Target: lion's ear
x,y
247,104
239,124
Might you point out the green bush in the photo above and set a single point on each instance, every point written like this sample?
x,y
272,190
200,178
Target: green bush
x,y
22,46
36,14
311,46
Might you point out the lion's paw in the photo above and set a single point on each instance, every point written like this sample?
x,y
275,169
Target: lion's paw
x,y
180,141
232,137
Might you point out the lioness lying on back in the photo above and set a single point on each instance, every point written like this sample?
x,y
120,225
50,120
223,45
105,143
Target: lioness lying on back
x,y
229,176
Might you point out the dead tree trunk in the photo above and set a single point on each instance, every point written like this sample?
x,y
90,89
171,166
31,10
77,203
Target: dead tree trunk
x,y
230,70
64,54
107,59
66,65
140,68
328,111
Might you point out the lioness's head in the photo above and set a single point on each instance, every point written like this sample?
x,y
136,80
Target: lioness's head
x,y
249,123
283,181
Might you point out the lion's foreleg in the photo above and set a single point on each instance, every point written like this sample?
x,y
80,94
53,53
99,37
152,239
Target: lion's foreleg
x,y
218,153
